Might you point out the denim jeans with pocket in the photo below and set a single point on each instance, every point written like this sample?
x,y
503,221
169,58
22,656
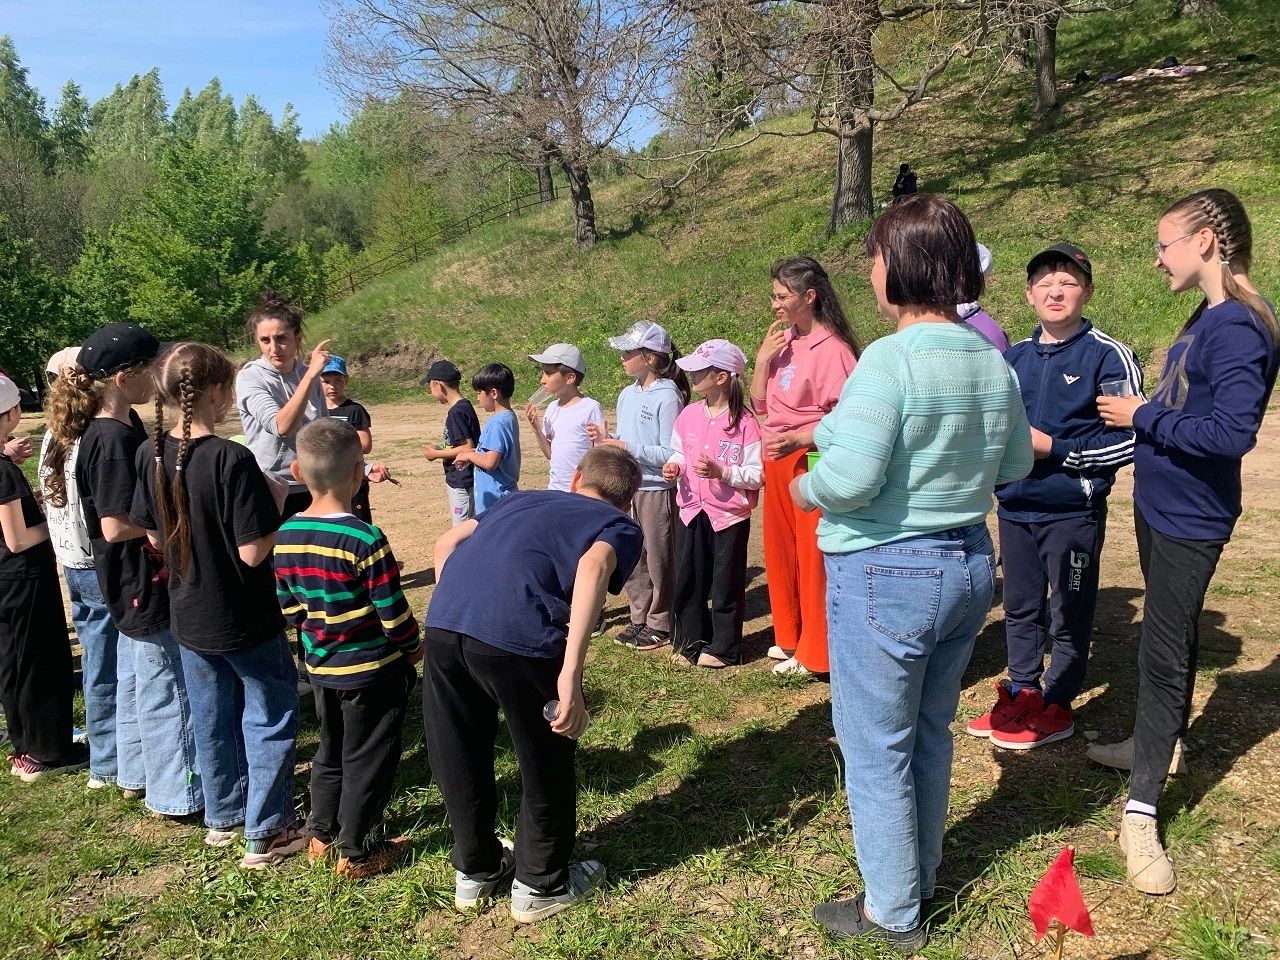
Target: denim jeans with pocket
x,y
902,620
247,705
97,634
157,743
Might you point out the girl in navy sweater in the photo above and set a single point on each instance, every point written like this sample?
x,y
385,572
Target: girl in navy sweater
x,y
1201,419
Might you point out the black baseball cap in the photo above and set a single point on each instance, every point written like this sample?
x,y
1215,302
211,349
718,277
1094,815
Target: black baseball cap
x,y
116,347
441,370
1059,252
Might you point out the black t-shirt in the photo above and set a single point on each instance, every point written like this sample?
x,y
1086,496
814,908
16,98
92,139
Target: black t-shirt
x,y
460,423
348,411
220,605
130,574
34,561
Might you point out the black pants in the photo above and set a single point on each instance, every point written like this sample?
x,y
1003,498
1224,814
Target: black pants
x,y
36,684
710,564
464,684
360,503
295,503
1177,574
355,765
1051,592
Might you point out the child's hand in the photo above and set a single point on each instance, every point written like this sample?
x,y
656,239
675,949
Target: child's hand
x,y
670,471
461,458
379,472
1041,443
532,414
1119,411
18,449
706,467
781,445
598,432
571,718
416,656
430,451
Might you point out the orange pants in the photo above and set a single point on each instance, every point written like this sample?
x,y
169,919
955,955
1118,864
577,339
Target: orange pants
x,y
793,566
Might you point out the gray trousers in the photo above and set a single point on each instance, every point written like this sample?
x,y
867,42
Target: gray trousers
x,y
652,583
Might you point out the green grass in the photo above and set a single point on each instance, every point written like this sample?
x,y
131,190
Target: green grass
x,y
1098,172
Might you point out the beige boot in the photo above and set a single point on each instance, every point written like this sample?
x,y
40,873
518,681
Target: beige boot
x,y
1149,868
1119,756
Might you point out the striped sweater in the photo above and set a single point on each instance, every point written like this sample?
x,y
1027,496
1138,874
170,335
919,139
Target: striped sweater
x,y
338,582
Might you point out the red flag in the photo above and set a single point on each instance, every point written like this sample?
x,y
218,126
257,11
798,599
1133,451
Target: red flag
x,y
1057,897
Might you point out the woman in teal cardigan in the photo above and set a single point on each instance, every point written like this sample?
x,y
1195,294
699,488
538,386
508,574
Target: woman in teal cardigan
x,y
927,425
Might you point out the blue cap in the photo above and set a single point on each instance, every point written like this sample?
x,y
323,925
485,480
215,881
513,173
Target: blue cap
x,y
335,365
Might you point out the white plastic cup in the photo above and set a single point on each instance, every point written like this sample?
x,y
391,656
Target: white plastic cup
x,y
552,707
540,396
1116,388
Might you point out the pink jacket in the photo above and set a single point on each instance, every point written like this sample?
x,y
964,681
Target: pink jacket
x,y
805,380
726,501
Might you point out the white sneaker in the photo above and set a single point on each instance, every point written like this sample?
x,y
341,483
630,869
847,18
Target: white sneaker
x,y
470,892
1148,865
529,906
1119,756
96,784
791,667
777,653
219,838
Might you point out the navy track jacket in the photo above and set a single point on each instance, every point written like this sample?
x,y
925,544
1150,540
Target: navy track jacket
x,y
1060,384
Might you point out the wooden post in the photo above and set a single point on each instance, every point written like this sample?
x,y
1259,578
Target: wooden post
x,y
1059,934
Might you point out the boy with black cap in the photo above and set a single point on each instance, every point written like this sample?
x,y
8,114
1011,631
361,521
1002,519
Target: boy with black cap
x,y
1053,521
461,433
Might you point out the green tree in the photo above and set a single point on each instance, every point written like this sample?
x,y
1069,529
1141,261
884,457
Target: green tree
x,y
21,107
70,128
31,325
214,115
131,122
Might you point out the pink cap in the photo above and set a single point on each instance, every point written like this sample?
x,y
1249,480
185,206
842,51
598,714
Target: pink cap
x,y
720,354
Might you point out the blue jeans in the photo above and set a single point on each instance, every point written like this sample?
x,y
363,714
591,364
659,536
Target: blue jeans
x,y
247,702
156,739
903,619
97,635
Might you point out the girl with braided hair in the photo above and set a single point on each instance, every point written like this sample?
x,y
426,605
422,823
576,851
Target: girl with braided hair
x,y
154,746
1200,421
207,505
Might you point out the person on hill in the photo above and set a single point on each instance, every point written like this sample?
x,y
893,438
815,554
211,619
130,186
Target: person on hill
x,y
461,434
805,358
333,383
497,453
562,431
1201,419
904,185
978,318
210,509
35,658
647,411
1052,522
93,403
716,461
338,583
927,425
513,637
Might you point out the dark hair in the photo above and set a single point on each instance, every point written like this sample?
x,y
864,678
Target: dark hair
x,y
184,372
1223,213
668,370
495,376
799,274
930,253
611,472
273,306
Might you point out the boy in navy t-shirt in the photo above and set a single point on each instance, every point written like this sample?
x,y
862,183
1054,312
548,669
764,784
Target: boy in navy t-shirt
x,y
518,590
461,434
341,407
1052,522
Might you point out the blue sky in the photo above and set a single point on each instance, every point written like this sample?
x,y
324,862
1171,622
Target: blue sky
x,y
274,50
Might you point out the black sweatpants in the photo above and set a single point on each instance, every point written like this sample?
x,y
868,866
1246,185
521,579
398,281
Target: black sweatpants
x,y
354,770
1051,591
1177,574
464,685
710,564
36,683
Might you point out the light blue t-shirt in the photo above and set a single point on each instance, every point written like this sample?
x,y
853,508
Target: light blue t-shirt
x,y
501,433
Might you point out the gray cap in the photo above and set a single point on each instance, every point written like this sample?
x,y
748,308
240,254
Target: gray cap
x,y
562,353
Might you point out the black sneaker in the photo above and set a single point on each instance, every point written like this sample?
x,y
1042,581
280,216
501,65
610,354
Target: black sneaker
x,y
631,635
598,630
848,919
652,639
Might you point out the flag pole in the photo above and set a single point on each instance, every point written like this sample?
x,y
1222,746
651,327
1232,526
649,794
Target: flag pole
x,y
1059,934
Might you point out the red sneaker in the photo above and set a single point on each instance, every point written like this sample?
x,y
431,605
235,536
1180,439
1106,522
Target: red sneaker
x,y
1038,725
1006,709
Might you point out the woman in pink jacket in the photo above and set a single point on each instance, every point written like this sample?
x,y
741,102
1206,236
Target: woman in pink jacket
x,y
716,444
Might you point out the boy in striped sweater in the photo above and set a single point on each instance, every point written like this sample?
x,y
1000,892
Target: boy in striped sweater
x,y
1052,521
338,582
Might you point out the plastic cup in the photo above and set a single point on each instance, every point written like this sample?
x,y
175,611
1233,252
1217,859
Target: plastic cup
x,y
539,397
1116,388
811,458
552,707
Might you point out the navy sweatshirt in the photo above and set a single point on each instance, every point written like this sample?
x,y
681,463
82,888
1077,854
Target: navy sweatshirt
x,y
1201,420
1060,384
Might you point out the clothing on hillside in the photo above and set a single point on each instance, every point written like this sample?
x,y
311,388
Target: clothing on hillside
x,y
645,418
350,412
501,433
736,449
460,425
67,532
805,379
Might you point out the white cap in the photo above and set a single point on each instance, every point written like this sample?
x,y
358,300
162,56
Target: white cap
x,y
9,395
643,335
562,353
60,361
985,260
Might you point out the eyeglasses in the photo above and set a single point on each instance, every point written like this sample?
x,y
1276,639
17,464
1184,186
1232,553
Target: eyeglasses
x,y
1162,247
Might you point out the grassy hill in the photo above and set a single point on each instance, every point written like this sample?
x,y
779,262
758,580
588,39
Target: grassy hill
x,y
1097,172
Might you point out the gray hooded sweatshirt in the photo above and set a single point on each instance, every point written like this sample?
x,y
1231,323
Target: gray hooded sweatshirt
x,y
261,392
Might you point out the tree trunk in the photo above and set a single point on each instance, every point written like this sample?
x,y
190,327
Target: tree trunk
x,y
542,167
584,208
1016,58
852,199
1046,36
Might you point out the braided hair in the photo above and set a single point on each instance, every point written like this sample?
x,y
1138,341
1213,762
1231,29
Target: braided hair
x,y
186,373
1222,213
